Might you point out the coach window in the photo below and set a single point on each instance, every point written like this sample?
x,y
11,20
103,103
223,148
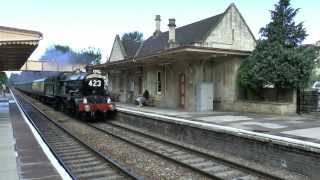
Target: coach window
x,y
159,88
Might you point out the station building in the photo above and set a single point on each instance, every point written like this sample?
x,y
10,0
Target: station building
x,y
193,67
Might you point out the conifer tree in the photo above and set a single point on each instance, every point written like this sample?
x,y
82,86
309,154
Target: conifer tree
x,y
279,59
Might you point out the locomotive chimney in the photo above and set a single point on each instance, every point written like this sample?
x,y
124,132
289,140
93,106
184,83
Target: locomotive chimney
x,y
89,69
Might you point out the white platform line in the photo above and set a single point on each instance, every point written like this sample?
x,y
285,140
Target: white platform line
x,y
43,145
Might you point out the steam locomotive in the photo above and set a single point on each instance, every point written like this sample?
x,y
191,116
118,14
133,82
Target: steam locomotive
x,y
78,93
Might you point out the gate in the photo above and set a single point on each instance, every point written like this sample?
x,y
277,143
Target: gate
x,y
310,101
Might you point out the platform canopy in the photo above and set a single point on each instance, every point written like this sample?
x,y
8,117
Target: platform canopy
x,y
16,45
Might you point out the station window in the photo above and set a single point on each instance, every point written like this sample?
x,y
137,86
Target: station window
x,y
159,89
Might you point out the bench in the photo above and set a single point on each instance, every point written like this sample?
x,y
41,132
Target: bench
x,y
150,101
114,97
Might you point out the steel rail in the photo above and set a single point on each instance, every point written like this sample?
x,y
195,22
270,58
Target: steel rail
x,y
125,170
157,139
44,139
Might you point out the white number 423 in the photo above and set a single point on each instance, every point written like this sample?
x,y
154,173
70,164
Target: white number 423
x,y
95,83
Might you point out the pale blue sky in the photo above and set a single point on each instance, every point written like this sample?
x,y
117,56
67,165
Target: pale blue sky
x,y
96,22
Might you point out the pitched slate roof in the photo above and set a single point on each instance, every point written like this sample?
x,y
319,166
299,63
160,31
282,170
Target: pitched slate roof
x,y
130,48
185,35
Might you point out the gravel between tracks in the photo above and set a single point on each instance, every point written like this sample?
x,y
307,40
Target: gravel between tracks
x,y
144,163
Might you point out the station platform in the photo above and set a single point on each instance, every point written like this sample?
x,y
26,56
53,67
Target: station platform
x,y
305,128
22,155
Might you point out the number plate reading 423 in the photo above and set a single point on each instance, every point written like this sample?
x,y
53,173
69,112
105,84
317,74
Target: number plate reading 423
x,y
95,83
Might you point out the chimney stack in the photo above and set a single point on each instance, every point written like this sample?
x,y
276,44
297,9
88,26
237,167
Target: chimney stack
x,y
158,31
172,31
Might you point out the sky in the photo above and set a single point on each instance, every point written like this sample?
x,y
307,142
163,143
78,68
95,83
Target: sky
x,y
94,23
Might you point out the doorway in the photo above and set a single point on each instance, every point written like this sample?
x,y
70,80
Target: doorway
x,y
182,84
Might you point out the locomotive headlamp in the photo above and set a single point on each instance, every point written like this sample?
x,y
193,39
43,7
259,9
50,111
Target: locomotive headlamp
x,y
85,100
87,108
112,107
109,100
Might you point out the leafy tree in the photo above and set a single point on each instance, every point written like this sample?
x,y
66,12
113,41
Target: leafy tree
x,y
3,77
315,76
131,41
279,59
90,55
61,48
132,36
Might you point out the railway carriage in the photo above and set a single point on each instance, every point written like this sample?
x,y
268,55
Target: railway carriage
x,y
78,93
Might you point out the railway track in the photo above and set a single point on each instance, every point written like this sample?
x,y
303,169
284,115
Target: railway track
x,y
78,158
200,162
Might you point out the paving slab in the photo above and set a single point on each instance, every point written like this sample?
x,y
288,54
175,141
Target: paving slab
x,y
33,163
308,133
8,169
20,152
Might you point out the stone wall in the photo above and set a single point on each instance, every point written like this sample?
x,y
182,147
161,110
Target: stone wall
x,y
225,76
263,107
231,33
276,157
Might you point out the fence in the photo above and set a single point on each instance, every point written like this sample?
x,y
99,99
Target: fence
x,y
310,101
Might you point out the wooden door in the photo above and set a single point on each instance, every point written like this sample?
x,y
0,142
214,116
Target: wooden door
x,y
182,90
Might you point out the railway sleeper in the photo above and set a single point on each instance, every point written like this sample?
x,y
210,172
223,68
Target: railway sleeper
x,y
84,160
204,164
230,174
216,169
74,153
69,150
178,153
99,167
183,156
194,161
61,148
85,164
97,174
77,157
247,177
62,142
110,178
66,146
